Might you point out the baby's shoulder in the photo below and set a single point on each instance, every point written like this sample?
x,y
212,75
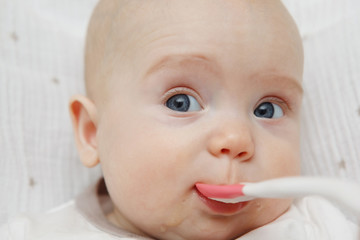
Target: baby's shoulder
x,y
64,222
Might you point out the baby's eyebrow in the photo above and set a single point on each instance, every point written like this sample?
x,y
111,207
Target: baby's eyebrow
x,y
210,65
184,61
281,81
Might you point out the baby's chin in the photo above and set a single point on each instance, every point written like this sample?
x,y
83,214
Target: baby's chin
x,y
262,212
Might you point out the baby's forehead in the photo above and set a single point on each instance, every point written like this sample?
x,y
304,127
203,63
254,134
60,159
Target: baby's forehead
x,y
119,28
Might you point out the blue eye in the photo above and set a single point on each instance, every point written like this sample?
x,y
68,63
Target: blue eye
x,y
183,103
268,110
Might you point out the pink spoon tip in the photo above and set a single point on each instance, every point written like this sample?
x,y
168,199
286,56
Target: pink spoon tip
x,y
220,191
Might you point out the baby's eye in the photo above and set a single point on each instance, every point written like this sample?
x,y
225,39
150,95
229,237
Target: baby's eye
x,y
183,103
268,110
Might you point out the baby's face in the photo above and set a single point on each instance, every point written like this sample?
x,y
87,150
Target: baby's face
x,y
203,91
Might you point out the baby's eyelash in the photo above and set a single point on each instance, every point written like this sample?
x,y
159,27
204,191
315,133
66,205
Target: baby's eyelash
x,y
283,103
181,90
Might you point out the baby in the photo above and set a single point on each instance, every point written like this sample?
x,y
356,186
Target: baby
x,y
181,92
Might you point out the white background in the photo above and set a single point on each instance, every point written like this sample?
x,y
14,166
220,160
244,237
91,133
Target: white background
x,y
41,66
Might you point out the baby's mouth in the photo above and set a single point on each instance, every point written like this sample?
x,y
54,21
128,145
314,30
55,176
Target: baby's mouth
x,y
208,193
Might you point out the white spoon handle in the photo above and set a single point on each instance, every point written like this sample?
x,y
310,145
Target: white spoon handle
x,y
343,192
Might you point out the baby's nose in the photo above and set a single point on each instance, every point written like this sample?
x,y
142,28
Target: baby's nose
x,y
232,139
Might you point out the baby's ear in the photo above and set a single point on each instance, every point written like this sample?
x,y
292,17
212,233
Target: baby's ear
x,y
84,120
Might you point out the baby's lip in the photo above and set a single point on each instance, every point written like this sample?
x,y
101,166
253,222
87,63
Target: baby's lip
x,y
220,191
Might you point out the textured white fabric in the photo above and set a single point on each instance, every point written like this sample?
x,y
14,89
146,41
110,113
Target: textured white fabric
x,y
41,48
331,113
310,218
62,223
41,60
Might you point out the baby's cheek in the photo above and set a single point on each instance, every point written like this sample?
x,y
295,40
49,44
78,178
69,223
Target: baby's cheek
x,y
278,157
